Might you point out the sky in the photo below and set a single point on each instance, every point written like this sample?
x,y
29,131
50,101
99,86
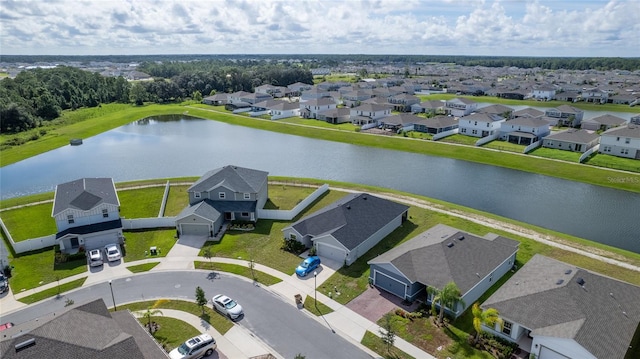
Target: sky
x,y
608,28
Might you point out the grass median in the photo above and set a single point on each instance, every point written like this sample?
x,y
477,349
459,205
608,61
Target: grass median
x,y
52,292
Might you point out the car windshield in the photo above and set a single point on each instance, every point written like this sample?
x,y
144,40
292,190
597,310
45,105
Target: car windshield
x,y
183,349
304,264
230,304
113,251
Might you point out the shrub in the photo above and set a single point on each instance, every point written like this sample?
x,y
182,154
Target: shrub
x,y
293,246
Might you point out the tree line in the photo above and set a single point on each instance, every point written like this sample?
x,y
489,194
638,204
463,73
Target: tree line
x,y
39,95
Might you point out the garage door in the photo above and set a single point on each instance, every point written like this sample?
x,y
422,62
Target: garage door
x,y
546,353
331,252
100,240
195,229
389,284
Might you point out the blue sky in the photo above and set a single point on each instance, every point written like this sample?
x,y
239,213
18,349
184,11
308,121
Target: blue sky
x,y
432,27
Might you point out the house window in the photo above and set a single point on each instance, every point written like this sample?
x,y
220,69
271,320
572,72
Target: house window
x,y
617,138
627,140
105,213
70,219
624,151
487,124
221,195
506,327
245,214
474,132
464,130
247,196
197,195
475,123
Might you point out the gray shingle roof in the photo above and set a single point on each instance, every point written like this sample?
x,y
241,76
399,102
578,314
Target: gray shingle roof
x,y
438,121
237,179
602,315
204,209
630,130
84,194
574,136
528,112
527,121
403,119
495,109
428,258
352,219
607,120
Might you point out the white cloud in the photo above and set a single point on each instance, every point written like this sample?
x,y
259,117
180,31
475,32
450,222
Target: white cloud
x,y
498,27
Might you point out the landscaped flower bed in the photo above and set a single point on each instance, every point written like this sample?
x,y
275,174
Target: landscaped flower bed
x,y
241,227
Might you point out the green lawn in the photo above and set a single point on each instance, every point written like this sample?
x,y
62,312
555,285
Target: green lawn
x,y
348,126
52,292
177,200
141,202
139,241
32,198
376,344
620,163
171,332
505,146
36,268
142,267
556,154
286,197
316,308
29,221
243,271
460,139
420,135
219,322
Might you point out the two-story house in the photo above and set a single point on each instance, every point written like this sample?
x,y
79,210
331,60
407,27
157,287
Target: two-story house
x,y
222,195
594,95
480,124
403,102
460,107
524,130
354,98
623,141
566,115
310,108
602,123
544,92
87,214
497,109
369,113
296,89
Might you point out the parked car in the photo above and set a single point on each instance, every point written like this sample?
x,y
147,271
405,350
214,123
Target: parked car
x,y
200,346
308,265
95,258
4,283
6,326
227,306
113,252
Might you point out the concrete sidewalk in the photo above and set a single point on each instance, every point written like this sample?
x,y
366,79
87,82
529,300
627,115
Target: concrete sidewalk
x,y
236,343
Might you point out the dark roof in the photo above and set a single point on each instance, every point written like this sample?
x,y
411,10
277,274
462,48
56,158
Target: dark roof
x,y
84,194
237,179
528,112
370,107
483,117
574,136
429,258
403,119
438,121
496,109
204,209
352,219
601,315
526,121
91,228
86,331
318,101
336,112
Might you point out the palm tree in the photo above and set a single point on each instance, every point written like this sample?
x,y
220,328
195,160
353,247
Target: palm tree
x,y
150,312
448,297
488,317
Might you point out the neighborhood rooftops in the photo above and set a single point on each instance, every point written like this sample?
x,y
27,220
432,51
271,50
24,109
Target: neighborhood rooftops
x,y
237,179
84,194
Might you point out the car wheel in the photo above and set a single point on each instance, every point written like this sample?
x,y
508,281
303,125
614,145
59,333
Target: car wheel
x,y
208,352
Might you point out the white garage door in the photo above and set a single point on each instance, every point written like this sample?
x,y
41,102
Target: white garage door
x,y
331,252
100,240
546,353
195,229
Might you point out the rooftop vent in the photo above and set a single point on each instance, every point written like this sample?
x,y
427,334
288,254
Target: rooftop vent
x,y
568,271
580,281
365,198
25,344
560,281
460,237
348,207
450,244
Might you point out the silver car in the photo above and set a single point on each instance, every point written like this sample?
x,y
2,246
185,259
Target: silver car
x,y
95,258
197,347
227,306
113,252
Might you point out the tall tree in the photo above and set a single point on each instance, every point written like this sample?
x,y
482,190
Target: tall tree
x,y
201,298
489,317
388,331
148,314
447,297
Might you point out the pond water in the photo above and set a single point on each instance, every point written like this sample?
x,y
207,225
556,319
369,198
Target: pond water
x,y
180,146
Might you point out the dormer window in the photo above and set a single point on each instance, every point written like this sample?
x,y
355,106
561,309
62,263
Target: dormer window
x,y
222,195
70,219
196,195
105,213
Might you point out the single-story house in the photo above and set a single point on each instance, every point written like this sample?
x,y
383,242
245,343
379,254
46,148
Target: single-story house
x,y
602,123
556,310
284,109
528,112
497,109
572,140
221,195
335,115
432,106
440,255
400,121
569,96
217,99
524,130
623,141
87,214
436,124
348,228
86,330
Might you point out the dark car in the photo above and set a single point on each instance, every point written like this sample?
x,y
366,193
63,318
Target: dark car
x,y
308,265
4,284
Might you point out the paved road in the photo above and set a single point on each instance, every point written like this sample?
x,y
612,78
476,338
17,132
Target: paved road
x,y
280,325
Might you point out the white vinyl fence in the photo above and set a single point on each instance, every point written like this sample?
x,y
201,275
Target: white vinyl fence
x,y
287,215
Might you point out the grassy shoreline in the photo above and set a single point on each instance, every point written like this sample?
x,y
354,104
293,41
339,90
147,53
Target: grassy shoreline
x,y
571,171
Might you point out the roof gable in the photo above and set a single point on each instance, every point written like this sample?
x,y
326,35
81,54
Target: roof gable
x,y
84,194
237,179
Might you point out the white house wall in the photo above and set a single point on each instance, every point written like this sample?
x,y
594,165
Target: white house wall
x,y
567,347
617,144
83,218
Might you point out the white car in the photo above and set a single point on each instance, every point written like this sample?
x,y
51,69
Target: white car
x,y
113,252
197,347
95,257
227,306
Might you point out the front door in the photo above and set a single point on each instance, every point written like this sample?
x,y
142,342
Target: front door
x,y
228,216
74,242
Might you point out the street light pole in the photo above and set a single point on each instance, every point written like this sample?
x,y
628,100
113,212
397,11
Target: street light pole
x,y
112,297
315,289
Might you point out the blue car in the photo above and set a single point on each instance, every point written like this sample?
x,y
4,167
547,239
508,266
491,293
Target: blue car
x,y
308,265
